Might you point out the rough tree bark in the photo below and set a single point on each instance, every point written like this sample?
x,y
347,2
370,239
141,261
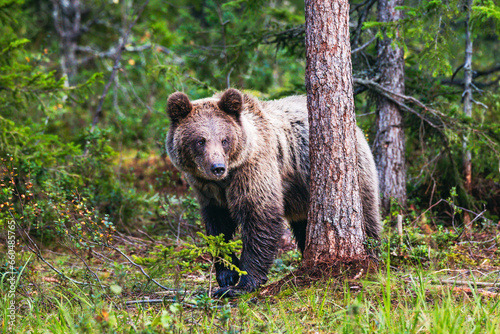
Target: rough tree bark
x,y
467,158
389,144
335,232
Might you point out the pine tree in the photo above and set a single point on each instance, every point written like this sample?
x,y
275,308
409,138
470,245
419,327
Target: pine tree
x,y
335,232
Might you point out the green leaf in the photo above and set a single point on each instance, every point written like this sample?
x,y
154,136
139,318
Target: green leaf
x,y
116,289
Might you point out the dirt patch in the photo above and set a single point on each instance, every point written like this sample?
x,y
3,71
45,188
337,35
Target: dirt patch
x,y
349,272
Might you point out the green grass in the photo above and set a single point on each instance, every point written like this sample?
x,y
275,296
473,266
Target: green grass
x,y
411,293
403,302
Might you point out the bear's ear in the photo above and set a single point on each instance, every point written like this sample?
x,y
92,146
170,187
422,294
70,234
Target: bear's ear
x,y
231,102
178,106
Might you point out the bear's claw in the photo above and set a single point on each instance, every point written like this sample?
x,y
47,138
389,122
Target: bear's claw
x,y
246,284
229,292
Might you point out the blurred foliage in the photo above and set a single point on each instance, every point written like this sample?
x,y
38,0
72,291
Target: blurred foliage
x,y
204,46
434,42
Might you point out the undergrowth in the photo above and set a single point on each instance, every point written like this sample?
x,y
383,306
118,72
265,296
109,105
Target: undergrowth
x,y
76,273
398,302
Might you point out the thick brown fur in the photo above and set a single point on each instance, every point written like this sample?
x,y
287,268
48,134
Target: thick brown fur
x,y
248,163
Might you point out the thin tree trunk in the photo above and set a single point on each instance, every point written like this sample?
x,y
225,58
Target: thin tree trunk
x,y
335,231
389,145
467,158
67,21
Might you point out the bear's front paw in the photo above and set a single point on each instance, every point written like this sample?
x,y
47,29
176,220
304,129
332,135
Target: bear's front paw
x,y
245,285
229,292
227,277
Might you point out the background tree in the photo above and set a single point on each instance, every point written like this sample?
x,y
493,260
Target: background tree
x,y
389,146
431,34
467,98
335,230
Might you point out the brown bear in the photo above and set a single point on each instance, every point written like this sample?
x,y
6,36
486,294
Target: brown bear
x,y
248,164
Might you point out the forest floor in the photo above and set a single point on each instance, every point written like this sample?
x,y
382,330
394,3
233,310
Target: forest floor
x,y
431,279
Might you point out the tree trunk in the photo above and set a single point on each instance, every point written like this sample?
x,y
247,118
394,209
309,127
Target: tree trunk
x,y
67,21
389,145
467,158
335,231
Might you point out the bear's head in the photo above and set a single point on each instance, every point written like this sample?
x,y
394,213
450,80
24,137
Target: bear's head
x,y
206,136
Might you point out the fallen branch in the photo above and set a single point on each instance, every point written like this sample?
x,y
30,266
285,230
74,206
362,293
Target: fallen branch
x,y
147,301
162,301
89,269
477,242
35,250
135,265
477,215
463,282
470,291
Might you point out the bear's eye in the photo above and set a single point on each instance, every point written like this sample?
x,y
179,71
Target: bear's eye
x,y
200,142
225,142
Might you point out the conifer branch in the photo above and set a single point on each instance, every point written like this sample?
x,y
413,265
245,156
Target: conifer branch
x,y
396,99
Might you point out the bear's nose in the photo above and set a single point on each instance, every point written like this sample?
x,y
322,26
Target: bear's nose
x,y
218,169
